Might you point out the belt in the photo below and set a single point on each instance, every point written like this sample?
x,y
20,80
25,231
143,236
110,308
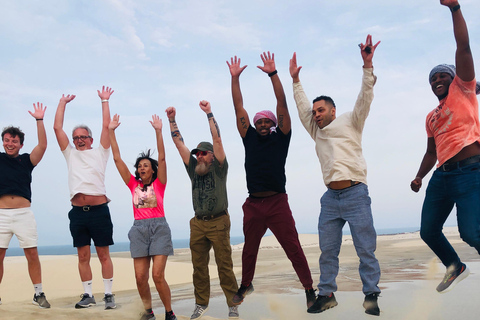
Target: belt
x,y
89,207
462,163
211,216
340,185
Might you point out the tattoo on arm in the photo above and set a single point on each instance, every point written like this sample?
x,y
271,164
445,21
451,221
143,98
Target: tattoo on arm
x,y
210,115
216,127
244,123
280,121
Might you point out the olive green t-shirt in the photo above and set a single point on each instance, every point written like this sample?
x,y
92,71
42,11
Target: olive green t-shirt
x,y
209,192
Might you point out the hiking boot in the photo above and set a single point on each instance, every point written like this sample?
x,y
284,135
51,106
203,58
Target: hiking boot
x,y
199,311
170,316
242,293
452,277
310,293
148,316
233,312
323,303
370,304
41,301
86,301
109,301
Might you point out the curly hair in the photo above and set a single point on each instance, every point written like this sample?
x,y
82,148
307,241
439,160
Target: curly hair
x,y
14,132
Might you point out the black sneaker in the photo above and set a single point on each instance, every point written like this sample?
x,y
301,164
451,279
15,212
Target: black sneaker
x,y
242,292
452,277
41,301
370,304
323,303
310,293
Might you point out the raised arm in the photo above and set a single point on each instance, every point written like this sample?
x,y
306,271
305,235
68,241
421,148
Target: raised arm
x,y
162,165
121,166
463,55
177,136
105,96
429,160
242,116
303,105
218,150
283,116
62,137
37,153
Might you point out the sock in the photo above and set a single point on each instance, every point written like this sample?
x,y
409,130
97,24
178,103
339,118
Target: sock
x,y
87,287
169,313
38,288
108,283
148,311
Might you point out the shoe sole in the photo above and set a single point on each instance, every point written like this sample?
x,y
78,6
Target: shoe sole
x,y
36,304
462,276
329,306
110,308
78,306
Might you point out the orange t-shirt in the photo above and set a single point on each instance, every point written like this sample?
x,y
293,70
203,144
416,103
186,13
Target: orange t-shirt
x,y
454,123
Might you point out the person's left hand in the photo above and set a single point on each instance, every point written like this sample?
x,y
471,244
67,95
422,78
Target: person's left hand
x,y
106,93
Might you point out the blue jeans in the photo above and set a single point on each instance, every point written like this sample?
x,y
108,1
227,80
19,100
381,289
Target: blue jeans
x,y
350,205
460,187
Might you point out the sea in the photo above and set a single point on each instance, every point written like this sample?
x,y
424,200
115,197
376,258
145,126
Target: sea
x,y
177,243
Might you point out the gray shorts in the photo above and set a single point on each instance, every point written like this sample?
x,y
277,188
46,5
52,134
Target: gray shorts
x,y
150,237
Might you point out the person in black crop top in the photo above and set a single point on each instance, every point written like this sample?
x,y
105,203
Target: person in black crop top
x,y
15,198
266,148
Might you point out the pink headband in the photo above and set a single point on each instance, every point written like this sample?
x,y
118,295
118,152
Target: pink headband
x,y
265,114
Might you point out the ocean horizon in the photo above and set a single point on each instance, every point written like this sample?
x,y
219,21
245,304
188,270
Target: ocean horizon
x,y
177,243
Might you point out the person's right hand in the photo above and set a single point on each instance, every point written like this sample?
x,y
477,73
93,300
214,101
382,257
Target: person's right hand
x,y
115,122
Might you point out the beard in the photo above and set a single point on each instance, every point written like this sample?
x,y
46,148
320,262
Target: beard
x,y
202,168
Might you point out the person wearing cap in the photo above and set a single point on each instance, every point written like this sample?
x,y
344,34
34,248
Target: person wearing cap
x,y
453,132
338,143
266,148
207,168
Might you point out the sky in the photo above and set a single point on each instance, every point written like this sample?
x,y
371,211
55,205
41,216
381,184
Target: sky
x,y
157,54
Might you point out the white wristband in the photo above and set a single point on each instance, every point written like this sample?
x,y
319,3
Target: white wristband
x,y
105,100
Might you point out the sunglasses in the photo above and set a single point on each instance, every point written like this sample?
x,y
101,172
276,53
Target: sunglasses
x,y
80,138
201,153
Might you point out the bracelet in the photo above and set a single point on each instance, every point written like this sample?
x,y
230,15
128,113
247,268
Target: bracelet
x,y
39,119
209,115
104,100
455,8
271,74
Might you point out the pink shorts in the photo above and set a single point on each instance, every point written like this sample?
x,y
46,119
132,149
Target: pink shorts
x,y
20,222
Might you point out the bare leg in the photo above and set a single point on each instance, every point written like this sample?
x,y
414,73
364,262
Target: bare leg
x,y
142,267
34,267
158,274
106,262
84,263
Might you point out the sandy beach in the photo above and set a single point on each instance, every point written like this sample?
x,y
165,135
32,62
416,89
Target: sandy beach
x,y
410,274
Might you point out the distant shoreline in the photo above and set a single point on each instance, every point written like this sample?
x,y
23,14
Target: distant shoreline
x,y
177,243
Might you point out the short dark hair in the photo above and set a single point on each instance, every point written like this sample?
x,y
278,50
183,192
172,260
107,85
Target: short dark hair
x,y
14,131
153,162
325,98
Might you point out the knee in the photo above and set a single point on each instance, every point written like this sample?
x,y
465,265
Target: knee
x,y
472,239
141,278
427,234
158,277
104,258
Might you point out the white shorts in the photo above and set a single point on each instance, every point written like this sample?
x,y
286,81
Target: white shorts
x,y
20,222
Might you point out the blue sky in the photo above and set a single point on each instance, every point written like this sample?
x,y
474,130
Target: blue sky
x,y
157,54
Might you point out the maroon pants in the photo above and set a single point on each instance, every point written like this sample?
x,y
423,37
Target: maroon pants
x,y
260,214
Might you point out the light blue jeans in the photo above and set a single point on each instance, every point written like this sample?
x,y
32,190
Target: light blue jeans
x,y
350,205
